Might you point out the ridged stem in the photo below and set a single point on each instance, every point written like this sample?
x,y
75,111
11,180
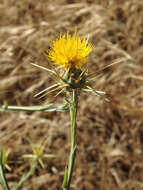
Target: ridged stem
x,y
26,176
73,114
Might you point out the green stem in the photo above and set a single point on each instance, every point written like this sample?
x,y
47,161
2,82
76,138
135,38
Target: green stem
x,y
3,180
73,114
45,108
26,176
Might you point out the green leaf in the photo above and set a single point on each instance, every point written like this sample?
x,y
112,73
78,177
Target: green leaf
x,y
3,180
65,182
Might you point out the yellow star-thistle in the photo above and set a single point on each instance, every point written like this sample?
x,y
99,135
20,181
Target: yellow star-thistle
x,y
38,153
69,51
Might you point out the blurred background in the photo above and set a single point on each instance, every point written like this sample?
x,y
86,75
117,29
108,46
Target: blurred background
x,y
110,135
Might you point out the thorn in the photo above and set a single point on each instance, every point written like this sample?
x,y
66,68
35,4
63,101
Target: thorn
x,y
59,92
58,88
46,89
114,63
41,67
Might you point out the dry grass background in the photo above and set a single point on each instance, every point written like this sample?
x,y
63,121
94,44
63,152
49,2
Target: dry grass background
x,y
110,151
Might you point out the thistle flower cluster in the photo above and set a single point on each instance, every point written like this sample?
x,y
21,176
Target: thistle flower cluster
x,y
38,152
70,52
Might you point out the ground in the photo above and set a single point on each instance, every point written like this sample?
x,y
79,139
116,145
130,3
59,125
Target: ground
x,y
110,134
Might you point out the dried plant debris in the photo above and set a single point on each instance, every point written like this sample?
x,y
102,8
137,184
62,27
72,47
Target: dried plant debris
x,y
110,133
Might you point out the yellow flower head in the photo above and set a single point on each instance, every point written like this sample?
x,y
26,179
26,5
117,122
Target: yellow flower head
x,y
70,51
